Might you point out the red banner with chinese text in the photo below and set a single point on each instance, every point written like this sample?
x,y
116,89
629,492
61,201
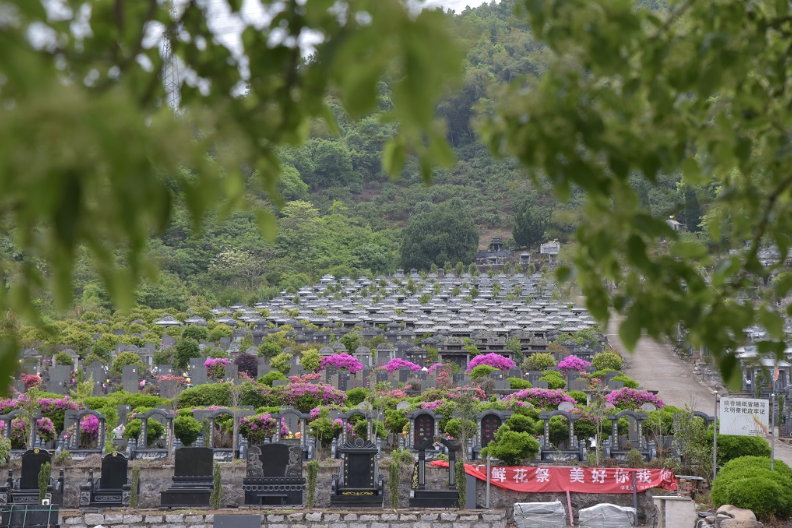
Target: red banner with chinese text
x,y
555,479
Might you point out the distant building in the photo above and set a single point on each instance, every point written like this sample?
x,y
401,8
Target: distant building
x,y
550,249
676,226
495,255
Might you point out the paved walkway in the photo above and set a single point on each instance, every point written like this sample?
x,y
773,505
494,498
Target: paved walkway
x,y
656,367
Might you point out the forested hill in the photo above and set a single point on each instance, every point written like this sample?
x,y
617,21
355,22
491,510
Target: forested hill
x,y
343,215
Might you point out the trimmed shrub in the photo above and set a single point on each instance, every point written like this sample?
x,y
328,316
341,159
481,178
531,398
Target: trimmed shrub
x,y
628,382
731,447
154,432
540,361
554,380
524,424
481,371
355,397
578,396
271,376
64,359
187,429
747,482
607,361
511,447
519,384
247,363
124,359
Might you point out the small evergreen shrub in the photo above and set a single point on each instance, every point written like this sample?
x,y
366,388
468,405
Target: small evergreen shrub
x,y
607,361
271,376
554,380
481,371
519,384
187,429
628,382
355,397
578,396
394,475
511,447
731,447
134,494
747,482
539,361
313,471
217,493
44,480
461,482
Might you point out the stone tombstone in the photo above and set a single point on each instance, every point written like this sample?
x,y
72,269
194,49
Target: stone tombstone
x,y
330,371
54,386
342,383
489,425
130,379
578,385
32,460
123,413
194,462
274,460
60,372
540,384
168,341
164,370
515,372
566,406
292,422
196,363
354,384
609,375
279,383
381,376
96,371
404,374
225,342
69,418
114,471
359,468
237,521
533,377
231,372
615,385
421,375
424,428
403,406
502,385
263,367
169,389
19,386
198,376
648,407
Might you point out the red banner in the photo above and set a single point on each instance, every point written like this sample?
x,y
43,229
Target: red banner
x,y
555,479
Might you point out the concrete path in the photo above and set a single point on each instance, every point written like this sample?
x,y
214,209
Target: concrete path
x,y
656,367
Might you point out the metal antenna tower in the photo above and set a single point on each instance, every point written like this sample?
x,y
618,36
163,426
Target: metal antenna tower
x,y
170,66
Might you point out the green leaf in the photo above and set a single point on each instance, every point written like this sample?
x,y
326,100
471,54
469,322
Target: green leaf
x,y
692,171
267,224
564,274
394,156
630,332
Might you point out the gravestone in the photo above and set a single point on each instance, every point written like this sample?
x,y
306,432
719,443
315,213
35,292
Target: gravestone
x,y
342,382
540,384
358,483
113,488
424,428
164,370
263,367
404,374
129,378
381,376
231,372
279,383
515,372
167,341
615,385
32,461
489,425
169,389
199,376
96,371
401,406
579,385
273,475
192,478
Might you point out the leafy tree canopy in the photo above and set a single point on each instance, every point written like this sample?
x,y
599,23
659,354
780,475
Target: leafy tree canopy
x,y
441,233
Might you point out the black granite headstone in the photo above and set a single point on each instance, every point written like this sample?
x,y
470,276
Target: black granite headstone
x,y
114,470
32,461
194,462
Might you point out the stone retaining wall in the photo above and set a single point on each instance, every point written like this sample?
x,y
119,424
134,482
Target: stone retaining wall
x,y
290,519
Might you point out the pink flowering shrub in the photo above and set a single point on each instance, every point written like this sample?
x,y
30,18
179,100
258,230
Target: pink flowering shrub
x,y
342,361
215,367
171,377
541,398
55,409
31,380
570,363
310,376
434,367
19,435
306,396
493,360
89,431
632,399
432,405
397,363
260,427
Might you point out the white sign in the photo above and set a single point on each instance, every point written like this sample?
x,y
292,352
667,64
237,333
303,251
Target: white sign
x,y
744,417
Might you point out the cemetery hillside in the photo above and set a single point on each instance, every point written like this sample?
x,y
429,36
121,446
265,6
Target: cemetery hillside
x,y
390,263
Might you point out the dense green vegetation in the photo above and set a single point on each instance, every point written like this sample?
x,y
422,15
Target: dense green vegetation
x,y
342,214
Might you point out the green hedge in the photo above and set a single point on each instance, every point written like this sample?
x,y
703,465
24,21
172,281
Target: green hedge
x,y
747,482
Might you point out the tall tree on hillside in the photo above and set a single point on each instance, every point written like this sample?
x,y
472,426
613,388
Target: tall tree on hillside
x,y
444,232
530,225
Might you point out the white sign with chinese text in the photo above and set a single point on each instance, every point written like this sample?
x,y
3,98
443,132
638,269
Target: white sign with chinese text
x,y
744,417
